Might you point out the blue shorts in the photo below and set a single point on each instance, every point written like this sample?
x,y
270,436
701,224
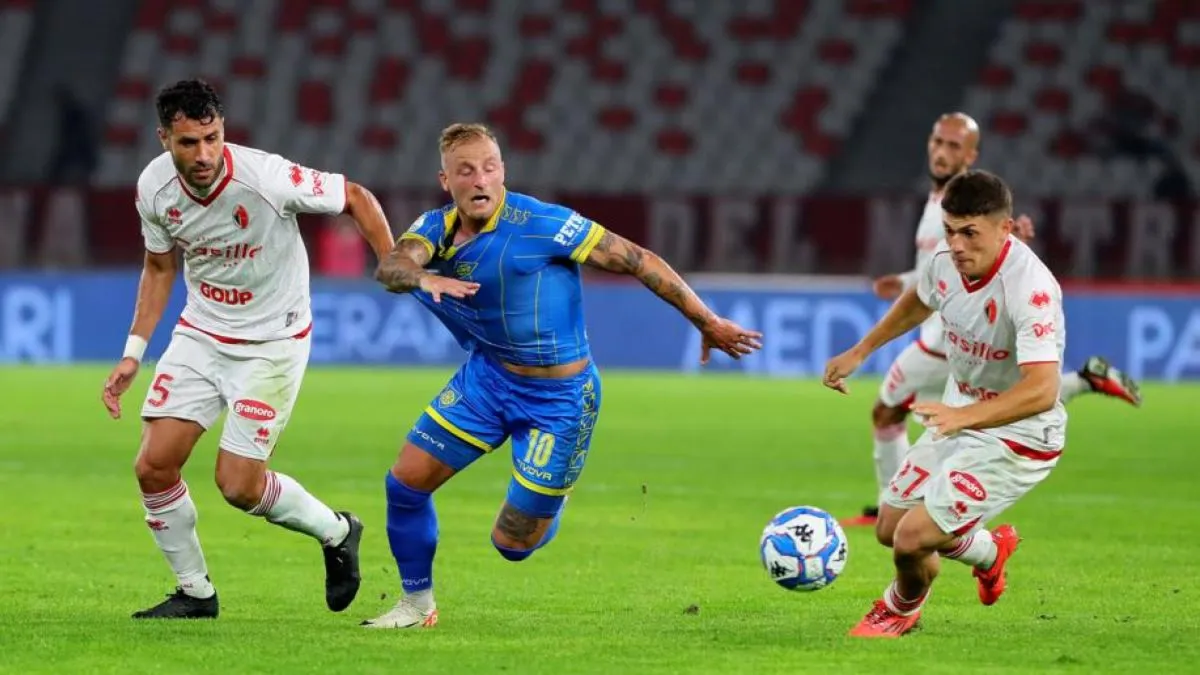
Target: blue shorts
x,y
550,422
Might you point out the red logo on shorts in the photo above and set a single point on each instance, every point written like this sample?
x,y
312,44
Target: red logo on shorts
x,y
966,484
253,410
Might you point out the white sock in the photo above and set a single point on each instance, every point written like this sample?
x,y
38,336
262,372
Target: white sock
x,y
1072,385
891,445
901,606
977,550
171,517
422,599
287,504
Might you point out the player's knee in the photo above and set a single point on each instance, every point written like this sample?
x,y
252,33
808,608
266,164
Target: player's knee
x,y
908,540
240,491
884,415
402,496
885,532
419,470
155,471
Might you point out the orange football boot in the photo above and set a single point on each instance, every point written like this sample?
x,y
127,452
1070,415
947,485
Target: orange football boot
x,y
882,622
992,581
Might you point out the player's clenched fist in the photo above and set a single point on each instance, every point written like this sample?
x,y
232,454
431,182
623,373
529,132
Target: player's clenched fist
x,y
728,337
437,286
116,384
840,367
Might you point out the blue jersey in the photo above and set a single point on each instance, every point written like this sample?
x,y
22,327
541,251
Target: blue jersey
x,y
528,310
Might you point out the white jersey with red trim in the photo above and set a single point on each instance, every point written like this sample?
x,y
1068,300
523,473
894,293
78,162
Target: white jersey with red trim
x,y
930,232
245,264
1009,317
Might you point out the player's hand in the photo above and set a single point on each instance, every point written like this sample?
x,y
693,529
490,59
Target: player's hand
x,y
888,287
840,367
116,384
437,286
729,337
1023,228
942,419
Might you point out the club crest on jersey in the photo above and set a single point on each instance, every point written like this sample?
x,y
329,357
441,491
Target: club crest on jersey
x,y
296,175
942,288
990,310
240,217
174,216
1039,299
464,270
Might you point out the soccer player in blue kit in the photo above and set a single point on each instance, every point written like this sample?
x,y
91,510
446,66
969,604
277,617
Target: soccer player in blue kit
x,y
501,271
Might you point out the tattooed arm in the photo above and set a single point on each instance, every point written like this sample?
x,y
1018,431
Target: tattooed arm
x,y
617,254
403,270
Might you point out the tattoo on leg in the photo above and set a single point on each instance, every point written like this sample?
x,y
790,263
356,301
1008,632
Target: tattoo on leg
x,y
515,524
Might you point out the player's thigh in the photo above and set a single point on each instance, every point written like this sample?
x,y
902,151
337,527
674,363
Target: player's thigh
x,y
260,384
182,386
979,480
550,445
463,422
181,403
911,482
914,375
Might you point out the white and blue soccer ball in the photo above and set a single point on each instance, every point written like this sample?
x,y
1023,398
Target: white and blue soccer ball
x,y
803,548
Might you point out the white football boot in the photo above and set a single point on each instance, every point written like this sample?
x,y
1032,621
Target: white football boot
x,y
408,613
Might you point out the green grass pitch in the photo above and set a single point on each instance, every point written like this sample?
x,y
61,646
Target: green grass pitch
x,y
683,474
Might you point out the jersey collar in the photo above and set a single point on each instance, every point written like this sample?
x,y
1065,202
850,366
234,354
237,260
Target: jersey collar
x,y
972,285
216,191
452,223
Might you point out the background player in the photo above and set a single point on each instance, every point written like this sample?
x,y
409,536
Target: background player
x,y
501,271
920,372
242,341
1002,425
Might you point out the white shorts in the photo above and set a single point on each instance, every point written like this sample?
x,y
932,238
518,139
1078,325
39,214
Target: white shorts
x,y
199,376
918,373
967,479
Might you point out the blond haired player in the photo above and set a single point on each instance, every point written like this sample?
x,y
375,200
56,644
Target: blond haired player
x,y
242,342
919,373
1001,425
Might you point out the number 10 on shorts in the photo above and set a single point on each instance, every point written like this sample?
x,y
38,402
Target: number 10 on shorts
x,y
541,446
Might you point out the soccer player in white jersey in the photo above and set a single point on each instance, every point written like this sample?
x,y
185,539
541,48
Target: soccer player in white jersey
x,y
1001,425
919,373
242,341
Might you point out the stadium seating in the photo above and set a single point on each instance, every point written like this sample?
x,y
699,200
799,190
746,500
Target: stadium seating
x,y
16,24
661,98
1057,71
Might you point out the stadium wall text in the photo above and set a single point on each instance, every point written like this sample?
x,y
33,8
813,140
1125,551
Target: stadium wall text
x,y
66,318
71,228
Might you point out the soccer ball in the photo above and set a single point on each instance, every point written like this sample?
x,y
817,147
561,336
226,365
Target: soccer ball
x,y
803,548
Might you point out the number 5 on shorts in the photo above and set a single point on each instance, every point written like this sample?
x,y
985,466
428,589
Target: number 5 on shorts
x,y
911,475
160,389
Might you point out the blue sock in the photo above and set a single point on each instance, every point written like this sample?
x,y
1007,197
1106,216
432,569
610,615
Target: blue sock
x,y
550,531
412,533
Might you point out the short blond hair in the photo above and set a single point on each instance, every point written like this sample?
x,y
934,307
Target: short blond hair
x,y
461,132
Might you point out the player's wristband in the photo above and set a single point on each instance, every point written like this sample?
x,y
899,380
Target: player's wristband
x,y
135,347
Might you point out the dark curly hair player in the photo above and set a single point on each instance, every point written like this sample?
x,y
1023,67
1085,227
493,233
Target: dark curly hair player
x,y
242,342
